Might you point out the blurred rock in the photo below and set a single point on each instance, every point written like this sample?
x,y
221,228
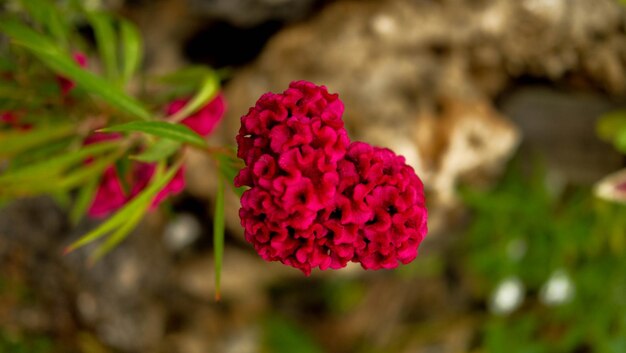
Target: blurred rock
x,y
104,298
247,13
241,281
561,125
418,76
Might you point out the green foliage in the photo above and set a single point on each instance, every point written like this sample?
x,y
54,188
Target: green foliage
x,y
229,165
48,16
208,90
283,336
218,235
62,63
612,128
55,166
132,50
524,229
127,217
160,150
171,131
11,343
15,142
51,107
106,40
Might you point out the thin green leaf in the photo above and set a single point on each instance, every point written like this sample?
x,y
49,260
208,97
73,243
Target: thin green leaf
x,y
159,181
123,167
61,63
104,228
120,234
90,171
158,151
26,37
106,40
15,142
43,12
218,236
54,166
176,132
229,166
208,90
96,85
83,200
133,50
62,183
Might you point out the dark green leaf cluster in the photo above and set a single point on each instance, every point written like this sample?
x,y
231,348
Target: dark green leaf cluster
x,y
571,232
44,148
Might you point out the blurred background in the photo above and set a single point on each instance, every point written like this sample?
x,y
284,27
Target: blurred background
x,y
501,106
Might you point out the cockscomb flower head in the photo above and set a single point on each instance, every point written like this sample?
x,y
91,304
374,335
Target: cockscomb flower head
x,y
385,201
291,143
314,199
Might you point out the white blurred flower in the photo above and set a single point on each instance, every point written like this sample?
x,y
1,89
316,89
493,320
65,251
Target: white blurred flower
x,y
508,296
181,231
558,289
612,187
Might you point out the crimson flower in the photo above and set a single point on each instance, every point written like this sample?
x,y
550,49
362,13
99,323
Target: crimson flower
x,y
66,84
315,200
111,194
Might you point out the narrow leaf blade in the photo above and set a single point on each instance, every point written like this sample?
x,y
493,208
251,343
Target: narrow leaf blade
x,y
61,63
176,132
106,40
16,142
133,50
26,37
207,91
83,200
229,166
218,236
158,151
56,165
46,14
120,234
159,181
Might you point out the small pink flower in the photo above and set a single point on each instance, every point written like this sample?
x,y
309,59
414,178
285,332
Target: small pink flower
x,y
204,120
111,196
66,84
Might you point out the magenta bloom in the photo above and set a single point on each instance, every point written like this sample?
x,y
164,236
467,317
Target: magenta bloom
x,y
291,143
204,120
111,194
385,201
315,200
66,84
